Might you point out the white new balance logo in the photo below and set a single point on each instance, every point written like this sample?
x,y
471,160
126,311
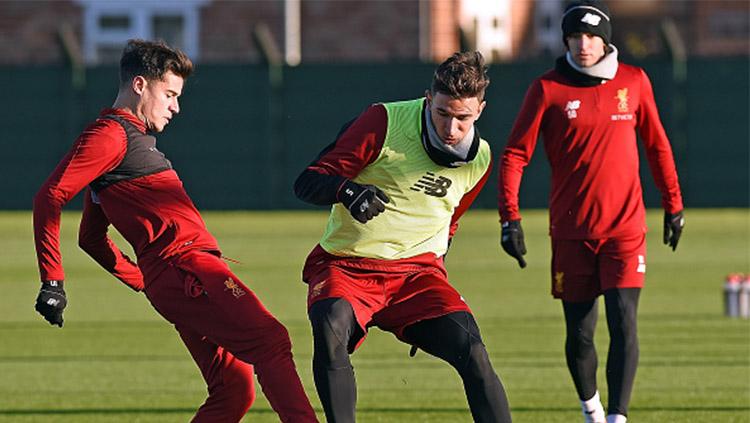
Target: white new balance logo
x,y
591,19
572,107
641,264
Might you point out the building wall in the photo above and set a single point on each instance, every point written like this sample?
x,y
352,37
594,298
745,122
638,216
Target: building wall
x,y
358,31
227,29
29,30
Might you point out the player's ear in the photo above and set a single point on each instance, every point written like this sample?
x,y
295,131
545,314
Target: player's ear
x,y
481,108
139,84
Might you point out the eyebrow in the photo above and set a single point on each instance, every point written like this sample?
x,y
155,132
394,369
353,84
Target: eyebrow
x,y
443,110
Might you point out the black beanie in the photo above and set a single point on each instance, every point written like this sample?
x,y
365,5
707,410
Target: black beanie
x,y
589,17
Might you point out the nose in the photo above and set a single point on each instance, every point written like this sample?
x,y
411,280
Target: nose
x,y
451,127
586,41
174,107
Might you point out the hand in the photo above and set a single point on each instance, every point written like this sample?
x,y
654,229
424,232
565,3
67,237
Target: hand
x,y
512,241
363,201
673,224
51,302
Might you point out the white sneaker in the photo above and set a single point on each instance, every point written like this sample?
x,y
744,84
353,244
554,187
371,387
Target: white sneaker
x,y
594,416
592,409
616,418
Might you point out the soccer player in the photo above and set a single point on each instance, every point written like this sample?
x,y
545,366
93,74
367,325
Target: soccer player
x,y
399,177
133,187
587,110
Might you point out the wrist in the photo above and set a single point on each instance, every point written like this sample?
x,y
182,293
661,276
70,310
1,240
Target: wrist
x,y
348,191
54,284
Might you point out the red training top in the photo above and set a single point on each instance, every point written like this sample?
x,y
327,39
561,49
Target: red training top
x,y
153,213
590,140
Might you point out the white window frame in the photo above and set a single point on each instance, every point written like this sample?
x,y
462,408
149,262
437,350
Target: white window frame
x,y
140,13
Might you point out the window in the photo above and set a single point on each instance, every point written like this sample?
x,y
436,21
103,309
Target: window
x,y
108,25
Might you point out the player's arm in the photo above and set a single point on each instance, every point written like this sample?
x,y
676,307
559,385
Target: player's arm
x,y
328,179
93,239
97,150
661,162
467,200
516,155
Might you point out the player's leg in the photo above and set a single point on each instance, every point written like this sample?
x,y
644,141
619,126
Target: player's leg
x,y
335,332
622,361
230,381
209,299
623,269
575,281
580,355
455,338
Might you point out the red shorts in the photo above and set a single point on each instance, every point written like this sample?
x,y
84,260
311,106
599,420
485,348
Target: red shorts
x,y
583,269
389,294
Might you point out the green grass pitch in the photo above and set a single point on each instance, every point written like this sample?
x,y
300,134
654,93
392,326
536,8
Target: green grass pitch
x,y
117,361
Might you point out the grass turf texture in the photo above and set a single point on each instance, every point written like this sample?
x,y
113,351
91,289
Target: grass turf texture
x,y
116,360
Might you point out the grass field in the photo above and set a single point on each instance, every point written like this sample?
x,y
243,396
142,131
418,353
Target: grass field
x,y
117,361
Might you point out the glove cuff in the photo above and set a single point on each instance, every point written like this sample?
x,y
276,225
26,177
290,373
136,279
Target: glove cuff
x,y
348,192
511,224
53,285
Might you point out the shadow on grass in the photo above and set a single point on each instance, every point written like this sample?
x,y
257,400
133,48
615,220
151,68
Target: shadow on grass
x,y
385,410
93,411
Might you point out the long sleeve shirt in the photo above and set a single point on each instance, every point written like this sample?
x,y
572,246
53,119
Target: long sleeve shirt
x,y
589,135
153,212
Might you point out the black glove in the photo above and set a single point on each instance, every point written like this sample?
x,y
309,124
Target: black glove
x,y
363,201
51,302
673,224
512,241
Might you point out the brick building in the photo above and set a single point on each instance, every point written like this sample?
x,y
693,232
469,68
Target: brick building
x,y
314,31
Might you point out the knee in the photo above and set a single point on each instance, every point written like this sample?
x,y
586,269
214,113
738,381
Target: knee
x,y
274,342
242,392
231,396
333,324
460,344
581,336
478,365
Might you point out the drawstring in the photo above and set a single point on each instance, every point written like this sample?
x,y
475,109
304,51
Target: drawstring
x,y
231,260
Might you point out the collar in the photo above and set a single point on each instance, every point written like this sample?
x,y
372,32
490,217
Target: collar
x,y
601,72
444,155
125,115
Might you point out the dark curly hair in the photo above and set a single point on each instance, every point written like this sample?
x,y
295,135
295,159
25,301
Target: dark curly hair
x,y
151,60
462,75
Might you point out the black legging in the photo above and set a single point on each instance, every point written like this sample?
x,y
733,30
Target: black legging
x,y
454,338
622,359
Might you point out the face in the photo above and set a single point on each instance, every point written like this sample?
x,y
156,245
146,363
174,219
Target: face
x,y
158,100
586,49
453,118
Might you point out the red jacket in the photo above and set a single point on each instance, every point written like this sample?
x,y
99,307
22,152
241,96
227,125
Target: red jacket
x,y
153,213
589,136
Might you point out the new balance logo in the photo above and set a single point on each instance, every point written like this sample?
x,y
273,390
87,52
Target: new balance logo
x,y
641,264
591,19
432,185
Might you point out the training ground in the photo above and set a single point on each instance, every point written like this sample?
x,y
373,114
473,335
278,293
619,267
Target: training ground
x,y
116,360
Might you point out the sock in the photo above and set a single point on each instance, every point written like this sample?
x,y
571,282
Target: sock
x,y
616,418
593,410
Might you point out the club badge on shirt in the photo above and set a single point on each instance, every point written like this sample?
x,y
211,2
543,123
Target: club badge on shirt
x,y
622,106
231,285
